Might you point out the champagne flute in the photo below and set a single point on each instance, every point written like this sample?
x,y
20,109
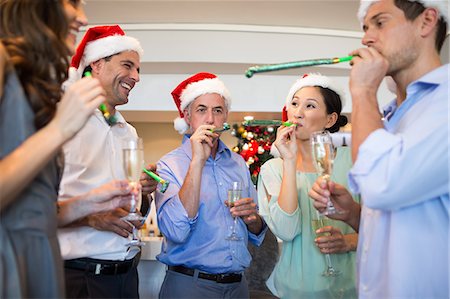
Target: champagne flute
x,y
323,157
317,222
133,162
234,194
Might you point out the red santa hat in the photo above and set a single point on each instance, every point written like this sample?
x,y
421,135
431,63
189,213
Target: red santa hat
x,y
193,87
440,5
100,42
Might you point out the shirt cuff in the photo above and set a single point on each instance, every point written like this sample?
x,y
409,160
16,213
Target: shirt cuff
x,y
258,239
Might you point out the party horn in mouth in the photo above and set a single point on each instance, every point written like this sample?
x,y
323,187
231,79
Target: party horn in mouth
x,y
263,122
110,119
224,128
164,183
296,64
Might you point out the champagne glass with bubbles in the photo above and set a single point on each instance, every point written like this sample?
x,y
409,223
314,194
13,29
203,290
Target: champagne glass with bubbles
x,y
133,162
319,221
323,157
234,194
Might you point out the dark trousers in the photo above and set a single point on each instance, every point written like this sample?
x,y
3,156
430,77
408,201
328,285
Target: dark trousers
x,y
177,285
80,284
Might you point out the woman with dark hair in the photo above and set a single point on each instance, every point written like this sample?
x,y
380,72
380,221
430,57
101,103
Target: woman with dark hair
x,y
312,105
36,39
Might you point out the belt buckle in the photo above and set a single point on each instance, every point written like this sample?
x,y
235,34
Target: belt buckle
x,y
98,269
221,278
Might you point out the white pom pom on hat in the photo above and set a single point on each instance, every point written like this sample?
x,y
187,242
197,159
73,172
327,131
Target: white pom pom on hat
x,y
440,5
193,87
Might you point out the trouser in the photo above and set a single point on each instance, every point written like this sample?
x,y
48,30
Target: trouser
x,y
87,284
178,285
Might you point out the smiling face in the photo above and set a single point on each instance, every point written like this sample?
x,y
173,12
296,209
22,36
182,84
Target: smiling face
x,y
76,18
118,75
387,30
207,109
307,109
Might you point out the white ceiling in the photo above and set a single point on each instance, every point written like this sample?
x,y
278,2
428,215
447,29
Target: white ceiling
x,y
331,14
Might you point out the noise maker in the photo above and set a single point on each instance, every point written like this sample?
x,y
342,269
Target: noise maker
x,y
225,127
296,64
164,183
263,122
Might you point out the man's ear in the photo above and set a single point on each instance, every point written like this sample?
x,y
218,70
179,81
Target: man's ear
x,y
187,116
97,66
429,19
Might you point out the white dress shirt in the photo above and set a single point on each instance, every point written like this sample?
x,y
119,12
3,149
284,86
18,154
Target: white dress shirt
x,y
92,158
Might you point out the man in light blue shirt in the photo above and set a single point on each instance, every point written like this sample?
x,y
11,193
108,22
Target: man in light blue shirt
x,y
192,213
401,164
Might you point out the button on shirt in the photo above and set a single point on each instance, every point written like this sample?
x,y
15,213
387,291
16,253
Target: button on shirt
x,y
93,157
402,173
200,242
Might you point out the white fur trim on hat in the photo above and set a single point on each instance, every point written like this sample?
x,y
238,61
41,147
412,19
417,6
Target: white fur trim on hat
x,y
440,5
196,89
108,46
312,80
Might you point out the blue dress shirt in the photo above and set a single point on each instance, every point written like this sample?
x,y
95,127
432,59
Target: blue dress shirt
x,y
402,173
200,242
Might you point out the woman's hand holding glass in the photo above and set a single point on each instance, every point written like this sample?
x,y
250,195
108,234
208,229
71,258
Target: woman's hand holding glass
x,y
331,240
320,226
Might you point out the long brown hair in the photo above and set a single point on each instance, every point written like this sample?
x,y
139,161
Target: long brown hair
x,y
34,33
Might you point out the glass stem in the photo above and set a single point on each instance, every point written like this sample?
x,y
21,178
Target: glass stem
x,y
133,204
135,233
328,261
234,225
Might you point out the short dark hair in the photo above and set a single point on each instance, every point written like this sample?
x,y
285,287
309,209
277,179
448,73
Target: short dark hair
x,y
88,68
412,9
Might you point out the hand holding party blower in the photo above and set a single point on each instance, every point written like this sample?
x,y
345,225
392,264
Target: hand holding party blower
x,y
296,64
110,119
164,183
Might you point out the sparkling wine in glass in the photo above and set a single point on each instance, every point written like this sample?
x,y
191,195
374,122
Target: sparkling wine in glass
x,y
323,157
317,222
234,194
133,162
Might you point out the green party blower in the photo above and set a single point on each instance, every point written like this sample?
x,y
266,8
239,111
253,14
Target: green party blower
x,y
264,122
296,64
225,127
110,119
164,183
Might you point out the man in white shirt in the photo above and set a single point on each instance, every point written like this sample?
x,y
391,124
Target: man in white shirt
x,y
98,264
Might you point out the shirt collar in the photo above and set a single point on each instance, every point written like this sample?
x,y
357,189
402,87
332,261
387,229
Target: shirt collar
x,y
431,78
120,119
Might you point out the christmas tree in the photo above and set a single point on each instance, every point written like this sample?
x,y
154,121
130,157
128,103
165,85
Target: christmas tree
x,y
254,143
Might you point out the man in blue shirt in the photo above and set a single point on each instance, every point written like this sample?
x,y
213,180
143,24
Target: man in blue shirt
x,y
192,213
401,164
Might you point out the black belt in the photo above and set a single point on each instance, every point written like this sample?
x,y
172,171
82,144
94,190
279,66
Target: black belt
x,y
220,278
105,267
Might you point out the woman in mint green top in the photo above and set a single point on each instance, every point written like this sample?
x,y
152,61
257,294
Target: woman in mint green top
x,y
284,203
